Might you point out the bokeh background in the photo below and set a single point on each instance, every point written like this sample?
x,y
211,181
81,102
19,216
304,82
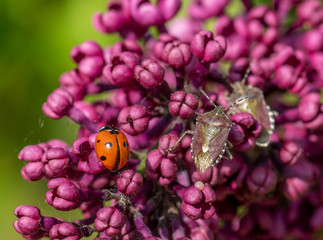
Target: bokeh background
x,y
35,40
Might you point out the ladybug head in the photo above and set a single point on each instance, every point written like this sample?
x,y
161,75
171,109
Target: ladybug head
x,y
108,128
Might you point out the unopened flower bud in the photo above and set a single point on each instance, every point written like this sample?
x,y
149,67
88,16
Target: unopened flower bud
x,y
182,104
261,180
172,51
58,104
208,49
134,120
110,220
129,182
149,74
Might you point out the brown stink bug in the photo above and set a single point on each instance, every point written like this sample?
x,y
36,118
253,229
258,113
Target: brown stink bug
x,y
209,142
255,105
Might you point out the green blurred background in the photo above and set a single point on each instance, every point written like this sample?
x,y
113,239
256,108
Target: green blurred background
x,y
35,40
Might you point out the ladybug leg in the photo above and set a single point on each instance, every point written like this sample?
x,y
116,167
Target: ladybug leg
x,y
179,140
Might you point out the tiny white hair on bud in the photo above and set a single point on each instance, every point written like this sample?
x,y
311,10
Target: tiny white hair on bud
x,y
199,185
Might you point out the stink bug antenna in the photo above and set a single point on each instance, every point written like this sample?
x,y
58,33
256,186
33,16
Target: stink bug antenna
x,y
237,102
208,98
246,75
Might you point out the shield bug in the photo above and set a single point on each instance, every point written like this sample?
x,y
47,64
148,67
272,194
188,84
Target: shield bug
x,y
255,105
209,142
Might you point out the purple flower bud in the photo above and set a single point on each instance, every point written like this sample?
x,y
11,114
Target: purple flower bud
x,y
120,70
310,11
294,188
166,142
31,153
261,180
90,208
33,171
305,170
203,9
63,194
133,120
92,66
149,74
200,233
271,36
111,21
73,77
229,168
81,147
127,97
158,167
289,64
129,182
309,106
55,162
172,51
88,48
145,13
90,164
127,230
246,130
103,236
294,132
58,104
207,48
312,40
290,153
184,29
182,104
110,220
88,110
29,219
210,176
77,91
89,56
238,69
64,231
263,13
197,201
168,8
128,45
236,34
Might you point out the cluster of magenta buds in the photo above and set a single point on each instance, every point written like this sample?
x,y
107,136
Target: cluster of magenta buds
x,y
258,74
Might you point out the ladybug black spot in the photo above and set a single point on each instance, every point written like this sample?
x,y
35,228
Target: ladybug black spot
x,y
108,145
98,141
103,158
125,144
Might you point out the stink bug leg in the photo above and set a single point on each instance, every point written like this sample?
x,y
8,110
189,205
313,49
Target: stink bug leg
x,y
179,140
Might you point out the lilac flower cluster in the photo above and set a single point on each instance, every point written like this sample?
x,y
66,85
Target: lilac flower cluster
x,y
150,87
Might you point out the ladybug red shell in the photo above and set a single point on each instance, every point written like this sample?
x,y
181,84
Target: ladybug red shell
x,y
112,148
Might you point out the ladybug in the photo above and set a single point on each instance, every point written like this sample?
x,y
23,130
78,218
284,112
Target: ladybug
x,y
112,148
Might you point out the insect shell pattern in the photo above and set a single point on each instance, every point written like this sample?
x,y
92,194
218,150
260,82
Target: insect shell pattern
x,y
256,105
209,142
